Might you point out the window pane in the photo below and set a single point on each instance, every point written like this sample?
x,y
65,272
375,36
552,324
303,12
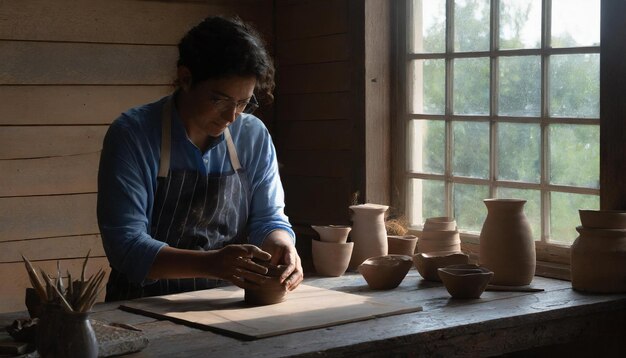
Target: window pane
x,y
471,86
469,210
427,199
574,89
428,86
428,143
564,214
429,26
520,24
471,25
575,23
575,155
470,156
519,152
519,86
532,208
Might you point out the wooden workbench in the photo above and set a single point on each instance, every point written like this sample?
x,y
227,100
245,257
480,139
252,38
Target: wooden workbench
x,y
556,321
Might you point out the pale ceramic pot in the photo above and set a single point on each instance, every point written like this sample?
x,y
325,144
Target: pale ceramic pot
x,y
331,258
603,219
506,243
332,233
368,232
465,281
385,272
272,292
598,260
401,244
428,264
439,223
440,240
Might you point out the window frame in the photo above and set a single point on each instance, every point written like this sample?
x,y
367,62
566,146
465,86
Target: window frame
x,y
553,257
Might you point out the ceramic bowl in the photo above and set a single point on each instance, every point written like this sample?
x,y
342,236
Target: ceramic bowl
x,y
273,291
332,233
439,223
428,263
603,219
385,272
465,281
401,244
330,258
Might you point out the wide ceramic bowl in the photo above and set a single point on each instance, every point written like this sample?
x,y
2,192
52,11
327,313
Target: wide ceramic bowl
x,y
332,233
385,272
427,264
465,281
603,219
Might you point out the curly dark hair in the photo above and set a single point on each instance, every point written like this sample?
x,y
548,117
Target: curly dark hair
x,y
219,47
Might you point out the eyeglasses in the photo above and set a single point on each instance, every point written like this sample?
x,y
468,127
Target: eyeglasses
x,y
227,105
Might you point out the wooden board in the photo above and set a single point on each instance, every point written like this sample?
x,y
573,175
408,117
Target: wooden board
x,y
223,310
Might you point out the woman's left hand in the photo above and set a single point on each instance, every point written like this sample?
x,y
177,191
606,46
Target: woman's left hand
x,y
280,245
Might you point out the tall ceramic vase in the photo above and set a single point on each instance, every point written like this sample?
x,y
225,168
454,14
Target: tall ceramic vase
x,y
506,243
368,233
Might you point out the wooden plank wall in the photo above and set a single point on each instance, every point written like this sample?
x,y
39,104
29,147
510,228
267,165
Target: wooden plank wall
x,y
323,125
67,69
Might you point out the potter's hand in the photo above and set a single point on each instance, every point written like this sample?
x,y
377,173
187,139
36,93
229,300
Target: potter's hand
x,y
234,263
280,245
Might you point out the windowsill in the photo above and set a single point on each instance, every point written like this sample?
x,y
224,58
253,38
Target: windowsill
x,y
552,260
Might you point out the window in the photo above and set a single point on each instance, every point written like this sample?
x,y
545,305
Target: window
x,y
501,100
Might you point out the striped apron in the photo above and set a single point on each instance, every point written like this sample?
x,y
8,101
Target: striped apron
x,y
191,211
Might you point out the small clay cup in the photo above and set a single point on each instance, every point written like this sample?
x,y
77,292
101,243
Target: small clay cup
x,y
332,233
401,244
330,258
603,219
465,281
385,272
272,291
428,263
439,223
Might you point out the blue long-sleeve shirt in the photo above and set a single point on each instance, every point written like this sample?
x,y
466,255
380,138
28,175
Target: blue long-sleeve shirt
x,y
127,180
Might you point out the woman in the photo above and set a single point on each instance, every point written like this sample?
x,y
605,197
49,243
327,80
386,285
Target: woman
x,y
188,187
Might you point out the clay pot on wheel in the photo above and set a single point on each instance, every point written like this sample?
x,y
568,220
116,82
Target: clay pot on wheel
x,y
330,258
273,291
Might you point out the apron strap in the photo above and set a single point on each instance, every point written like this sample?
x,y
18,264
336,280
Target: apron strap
x,y
232,152
166,138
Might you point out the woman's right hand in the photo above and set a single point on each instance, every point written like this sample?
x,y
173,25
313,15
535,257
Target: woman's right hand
x,y
234,263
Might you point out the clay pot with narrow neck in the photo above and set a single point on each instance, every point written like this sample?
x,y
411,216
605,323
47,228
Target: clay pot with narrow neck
x,y
272,291
507,246
598,260
368,232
